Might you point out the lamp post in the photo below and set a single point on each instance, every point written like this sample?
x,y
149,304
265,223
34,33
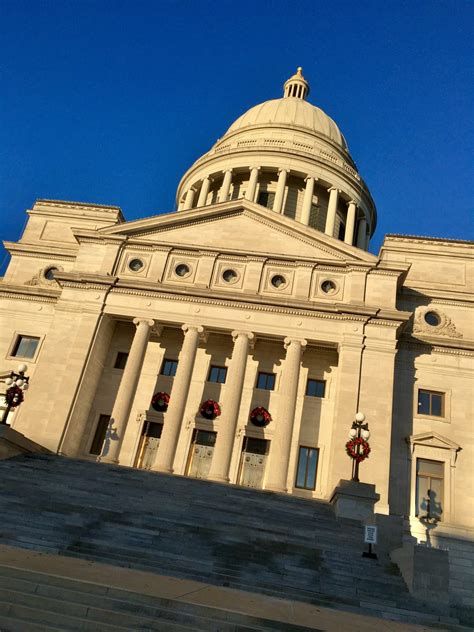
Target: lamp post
x,y
357,447
16,384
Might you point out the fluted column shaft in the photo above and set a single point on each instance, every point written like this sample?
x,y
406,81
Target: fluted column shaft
x,y
280,447
350,223
178,398
206,183
222,456
332,208
225,188
362,234
188,202
126,393
307,200
280,191
252,187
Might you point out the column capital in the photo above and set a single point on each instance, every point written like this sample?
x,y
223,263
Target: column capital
x,y
301,341
227,170
352,202
254,168
187,327
311,178
334,189
283,169
138,321
237,332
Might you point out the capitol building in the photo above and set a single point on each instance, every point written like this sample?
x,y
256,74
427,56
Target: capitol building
x,y
236,338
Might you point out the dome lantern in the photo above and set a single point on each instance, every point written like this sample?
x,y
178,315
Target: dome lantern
x,y
296,86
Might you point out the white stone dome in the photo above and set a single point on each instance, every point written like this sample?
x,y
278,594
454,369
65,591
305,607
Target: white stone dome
x,y
290,112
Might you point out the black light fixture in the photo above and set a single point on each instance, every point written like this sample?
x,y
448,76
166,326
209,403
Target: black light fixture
x,y
16,384
358,447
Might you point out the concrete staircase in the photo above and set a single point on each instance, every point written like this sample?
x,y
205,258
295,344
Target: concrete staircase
x,y
39,602
250,540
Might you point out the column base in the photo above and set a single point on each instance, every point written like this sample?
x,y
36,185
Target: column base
x,y
106,459
276,488
163,470
218,479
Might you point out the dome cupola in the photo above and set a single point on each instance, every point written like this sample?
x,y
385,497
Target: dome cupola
x,y
290,156
296,86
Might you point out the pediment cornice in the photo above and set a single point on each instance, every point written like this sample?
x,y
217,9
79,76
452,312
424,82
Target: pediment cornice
x,y
433,439
159,224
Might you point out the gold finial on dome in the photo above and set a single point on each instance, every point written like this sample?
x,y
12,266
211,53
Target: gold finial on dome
x,y
296,86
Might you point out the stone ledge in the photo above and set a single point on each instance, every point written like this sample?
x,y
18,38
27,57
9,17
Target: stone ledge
x,y
13,443
354,500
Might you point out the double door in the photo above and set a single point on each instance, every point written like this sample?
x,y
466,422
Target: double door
x,y
253,462
149,443
200,453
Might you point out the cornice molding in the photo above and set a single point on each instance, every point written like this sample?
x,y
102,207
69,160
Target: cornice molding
x,y
26,293
464,349
41,250
329,311
423,239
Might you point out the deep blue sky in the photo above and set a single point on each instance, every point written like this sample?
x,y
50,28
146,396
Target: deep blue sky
x,y
110,102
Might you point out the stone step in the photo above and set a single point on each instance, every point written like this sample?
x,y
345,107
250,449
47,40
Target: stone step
x,y
120,608
224,535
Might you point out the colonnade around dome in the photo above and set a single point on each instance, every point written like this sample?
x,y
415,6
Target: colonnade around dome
x,y
306,199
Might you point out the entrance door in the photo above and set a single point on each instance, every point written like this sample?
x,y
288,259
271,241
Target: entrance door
x,y
149,444
253,462
200,453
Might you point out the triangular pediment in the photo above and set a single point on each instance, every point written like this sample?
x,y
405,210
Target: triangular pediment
x,y
243,227
433,440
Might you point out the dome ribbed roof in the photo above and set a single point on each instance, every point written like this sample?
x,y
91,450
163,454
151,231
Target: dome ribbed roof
x,y
290,112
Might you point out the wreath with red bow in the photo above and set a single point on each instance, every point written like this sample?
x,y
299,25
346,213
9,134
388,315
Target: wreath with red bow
x,y
260,416
358,449
210,409
14,396
160,402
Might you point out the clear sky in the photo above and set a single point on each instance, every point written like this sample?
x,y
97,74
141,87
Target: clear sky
x,y
111,101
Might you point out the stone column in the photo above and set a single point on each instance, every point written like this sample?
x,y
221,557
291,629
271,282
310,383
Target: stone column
x,y
126,393
346,405
280,192
225,188
250,194
230,408
332,208
307,200
188,202
178,398
362,234
350,223
280,447
206,183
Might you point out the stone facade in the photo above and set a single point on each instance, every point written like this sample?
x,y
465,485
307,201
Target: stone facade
x,y
258,292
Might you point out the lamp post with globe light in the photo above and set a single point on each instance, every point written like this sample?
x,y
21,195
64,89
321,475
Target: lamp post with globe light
x,y
16,384
358,447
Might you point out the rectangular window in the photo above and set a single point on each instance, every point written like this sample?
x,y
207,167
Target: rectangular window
x,y
430,403
100,432
307,468
315,388
217,374
121,360
25,347
169,367
266,381
429,488
266,198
